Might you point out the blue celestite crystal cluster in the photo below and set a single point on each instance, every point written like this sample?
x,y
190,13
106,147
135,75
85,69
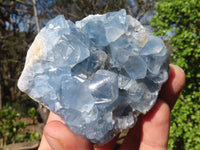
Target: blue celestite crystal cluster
x,y
98,74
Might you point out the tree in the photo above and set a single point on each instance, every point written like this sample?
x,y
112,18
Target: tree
x,y
78,9
36,16
179,22
14,15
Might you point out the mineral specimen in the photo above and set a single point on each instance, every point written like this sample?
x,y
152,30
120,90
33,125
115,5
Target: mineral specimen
x,y
98,74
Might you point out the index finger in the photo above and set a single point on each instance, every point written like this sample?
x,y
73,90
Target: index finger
x,y
172,88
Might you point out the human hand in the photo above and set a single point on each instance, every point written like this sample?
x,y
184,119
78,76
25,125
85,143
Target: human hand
x,y
151,132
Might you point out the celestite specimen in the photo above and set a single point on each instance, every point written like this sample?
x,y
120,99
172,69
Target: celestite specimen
x,y
98,74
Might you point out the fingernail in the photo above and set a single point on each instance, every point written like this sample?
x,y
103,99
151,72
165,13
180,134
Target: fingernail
x,y
180,75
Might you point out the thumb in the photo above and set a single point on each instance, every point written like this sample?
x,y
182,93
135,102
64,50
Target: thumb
x,y
60,137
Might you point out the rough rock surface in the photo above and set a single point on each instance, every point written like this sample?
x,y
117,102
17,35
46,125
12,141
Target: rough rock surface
x,y
98,74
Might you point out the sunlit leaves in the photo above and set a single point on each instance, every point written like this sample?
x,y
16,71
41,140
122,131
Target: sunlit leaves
x,y
179,21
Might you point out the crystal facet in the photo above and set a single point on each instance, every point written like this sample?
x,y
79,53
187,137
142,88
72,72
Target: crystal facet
x,y
98,74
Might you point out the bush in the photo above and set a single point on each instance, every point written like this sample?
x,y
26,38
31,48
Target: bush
x,y
179,22
12,130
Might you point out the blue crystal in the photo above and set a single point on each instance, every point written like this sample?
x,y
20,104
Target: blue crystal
x,y
90,65
75,94
100,29
104,86
98,74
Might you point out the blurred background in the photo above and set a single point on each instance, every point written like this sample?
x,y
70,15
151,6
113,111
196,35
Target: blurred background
x,y
176,21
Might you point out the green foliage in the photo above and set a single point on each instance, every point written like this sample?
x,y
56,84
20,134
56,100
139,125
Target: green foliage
x,y
179,21
32,114
34,136
10,127
12,130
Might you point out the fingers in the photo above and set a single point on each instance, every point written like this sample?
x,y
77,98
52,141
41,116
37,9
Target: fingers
x,y
171,89
58,136
151,132
132,140
44,144
155,128
155,124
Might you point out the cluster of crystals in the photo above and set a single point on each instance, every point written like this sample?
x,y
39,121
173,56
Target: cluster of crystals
x,y
98,74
